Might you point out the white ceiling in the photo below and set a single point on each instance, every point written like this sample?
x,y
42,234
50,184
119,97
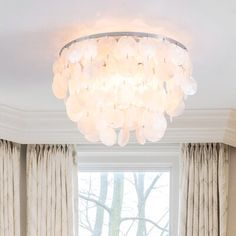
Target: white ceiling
x,y
32,32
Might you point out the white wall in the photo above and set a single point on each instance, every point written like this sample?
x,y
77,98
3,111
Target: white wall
x,y
232,194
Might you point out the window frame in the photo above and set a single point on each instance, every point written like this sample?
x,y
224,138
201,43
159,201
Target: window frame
x,y
147,158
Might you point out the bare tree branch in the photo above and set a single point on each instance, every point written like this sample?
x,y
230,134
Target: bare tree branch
x,y
85,227
83,218
129,180
91,194
87,205
148,191
167,224
144,219
95,201
131,225
99,220
135,182
116,205
159,220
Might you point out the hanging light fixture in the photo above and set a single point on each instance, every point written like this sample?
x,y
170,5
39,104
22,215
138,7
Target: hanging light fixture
x,y
120,82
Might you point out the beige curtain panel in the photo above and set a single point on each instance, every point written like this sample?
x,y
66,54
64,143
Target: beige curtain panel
x,y
50,190
9,189
204,190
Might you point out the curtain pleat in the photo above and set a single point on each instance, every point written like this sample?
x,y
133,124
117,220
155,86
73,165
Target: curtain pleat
x,y
9,189
204,190
50,190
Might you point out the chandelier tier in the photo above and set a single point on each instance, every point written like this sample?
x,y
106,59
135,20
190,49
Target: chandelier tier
x,y
120,82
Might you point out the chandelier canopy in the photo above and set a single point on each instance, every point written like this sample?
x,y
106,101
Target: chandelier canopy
x,y
120,82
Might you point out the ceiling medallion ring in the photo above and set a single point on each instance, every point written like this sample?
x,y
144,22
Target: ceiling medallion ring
x,y
117,83
120,34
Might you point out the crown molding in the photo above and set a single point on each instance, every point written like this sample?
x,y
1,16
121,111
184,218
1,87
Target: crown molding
x,y
50,127
230,134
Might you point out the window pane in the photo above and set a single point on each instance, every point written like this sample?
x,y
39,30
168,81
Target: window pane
x,y
124,203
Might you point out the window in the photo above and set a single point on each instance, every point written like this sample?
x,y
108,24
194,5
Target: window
x,y
128,193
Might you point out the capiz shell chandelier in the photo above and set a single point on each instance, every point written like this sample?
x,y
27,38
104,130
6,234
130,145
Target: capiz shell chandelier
x,y
120,82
